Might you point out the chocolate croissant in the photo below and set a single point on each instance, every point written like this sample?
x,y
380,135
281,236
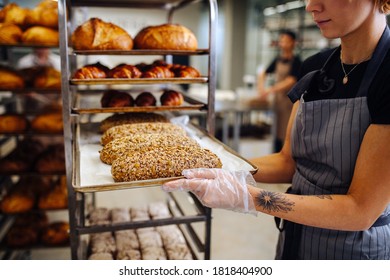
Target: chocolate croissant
x,y
158,72
124,71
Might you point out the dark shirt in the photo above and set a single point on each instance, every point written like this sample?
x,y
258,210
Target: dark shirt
x,y
296,63
378,97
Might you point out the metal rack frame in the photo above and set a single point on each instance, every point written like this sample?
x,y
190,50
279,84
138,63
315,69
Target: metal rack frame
x,y
77,199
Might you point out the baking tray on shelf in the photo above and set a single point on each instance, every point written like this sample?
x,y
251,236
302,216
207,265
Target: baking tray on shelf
x,y
90,174
29,45
141,52
89,103
121,81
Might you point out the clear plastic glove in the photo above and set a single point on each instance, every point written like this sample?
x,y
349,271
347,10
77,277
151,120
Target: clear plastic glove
x,y
218,188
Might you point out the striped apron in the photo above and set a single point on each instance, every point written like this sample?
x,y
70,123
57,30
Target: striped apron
x,y
326,138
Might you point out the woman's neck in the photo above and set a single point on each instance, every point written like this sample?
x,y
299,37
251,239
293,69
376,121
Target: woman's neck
x,y
359,45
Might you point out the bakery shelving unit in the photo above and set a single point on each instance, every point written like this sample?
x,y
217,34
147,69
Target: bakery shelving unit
x,y
80,104
14,101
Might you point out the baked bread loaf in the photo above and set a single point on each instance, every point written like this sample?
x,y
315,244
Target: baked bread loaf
x,y
125,71
55,198
158,72
39,35
137,142
48,123
56,233
145,98
10,79
166,37
116,98
51,160
92,71
13,123
171,98
13,13
96,34
47,78
132,117
44,14
10,33
138,128
161,162
18,201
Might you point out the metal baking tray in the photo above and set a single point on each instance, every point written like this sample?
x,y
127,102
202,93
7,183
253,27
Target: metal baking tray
x,y
141,52
121,81
89,103
90,174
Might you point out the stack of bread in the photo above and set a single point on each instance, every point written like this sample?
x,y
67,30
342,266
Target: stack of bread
x,y
36,26
33,228
31,225
35,192
143,150
44,77
146,243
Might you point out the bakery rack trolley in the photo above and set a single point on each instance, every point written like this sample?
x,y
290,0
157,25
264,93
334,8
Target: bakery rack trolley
x,y
72,113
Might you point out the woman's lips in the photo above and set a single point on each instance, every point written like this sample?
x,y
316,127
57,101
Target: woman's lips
x,y
322,23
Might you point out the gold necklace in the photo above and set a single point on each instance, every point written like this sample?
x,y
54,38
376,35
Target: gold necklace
x,y
345,79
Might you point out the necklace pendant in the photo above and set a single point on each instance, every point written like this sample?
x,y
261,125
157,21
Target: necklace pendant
x,y
345,80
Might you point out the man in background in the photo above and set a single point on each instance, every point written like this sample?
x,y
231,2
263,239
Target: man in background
x,y
286,69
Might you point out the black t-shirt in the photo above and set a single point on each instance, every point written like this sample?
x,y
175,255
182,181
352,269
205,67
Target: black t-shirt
x,y
296,64
378,97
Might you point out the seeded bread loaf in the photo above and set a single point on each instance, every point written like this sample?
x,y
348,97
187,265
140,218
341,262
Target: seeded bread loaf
x,y
137,142
140,128
162,162
133,117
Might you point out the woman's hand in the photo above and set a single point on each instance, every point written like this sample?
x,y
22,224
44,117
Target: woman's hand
x,y
218,188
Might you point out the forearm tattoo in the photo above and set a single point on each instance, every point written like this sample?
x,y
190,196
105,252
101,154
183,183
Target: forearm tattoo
x,y
274,202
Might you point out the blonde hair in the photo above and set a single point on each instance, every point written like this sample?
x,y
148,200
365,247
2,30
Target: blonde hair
x,y
383,5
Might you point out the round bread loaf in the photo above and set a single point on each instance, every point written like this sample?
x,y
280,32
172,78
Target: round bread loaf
x,y
56,233
44,14
96,34
171,98
13,13
39,35
10,79
17,202
10,33
116,98
145,98
48,123
166,37
13,123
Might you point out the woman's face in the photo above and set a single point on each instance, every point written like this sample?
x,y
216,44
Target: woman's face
x,y
338,18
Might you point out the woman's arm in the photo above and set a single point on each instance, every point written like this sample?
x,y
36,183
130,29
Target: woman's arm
x,y
367,198
278,167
